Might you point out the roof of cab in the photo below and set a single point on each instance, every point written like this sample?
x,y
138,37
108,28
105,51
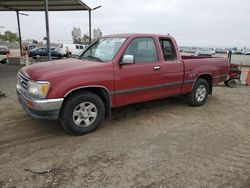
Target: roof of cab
x,y
126,35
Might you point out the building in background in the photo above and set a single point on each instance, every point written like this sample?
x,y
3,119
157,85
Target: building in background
x,y
97,33
76,35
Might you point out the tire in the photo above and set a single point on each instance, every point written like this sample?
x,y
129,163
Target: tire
x,y
37,57
82,113
231,83
199,94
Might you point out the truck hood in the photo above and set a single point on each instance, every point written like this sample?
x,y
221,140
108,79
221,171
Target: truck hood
x,y
59,68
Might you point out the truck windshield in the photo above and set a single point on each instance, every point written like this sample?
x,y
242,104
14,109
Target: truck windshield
x,y
103,50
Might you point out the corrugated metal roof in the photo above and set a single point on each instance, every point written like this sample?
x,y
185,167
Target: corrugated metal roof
x,y
38,5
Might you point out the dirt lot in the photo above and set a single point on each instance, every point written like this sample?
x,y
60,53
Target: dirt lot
x,y
162,143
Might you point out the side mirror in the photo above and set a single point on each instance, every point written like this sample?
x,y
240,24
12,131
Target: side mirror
x,y
128,59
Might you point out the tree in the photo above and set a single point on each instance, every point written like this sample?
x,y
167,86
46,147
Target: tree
x,y
9,36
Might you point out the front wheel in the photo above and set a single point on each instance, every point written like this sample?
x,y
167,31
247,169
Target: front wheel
x,y
82,113
199,94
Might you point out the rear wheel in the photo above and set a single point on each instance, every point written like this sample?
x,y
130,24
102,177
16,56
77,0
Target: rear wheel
x,y
82,113
199,94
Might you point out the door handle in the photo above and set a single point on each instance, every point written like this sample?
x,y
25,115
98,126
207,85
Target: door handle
x,y
157,68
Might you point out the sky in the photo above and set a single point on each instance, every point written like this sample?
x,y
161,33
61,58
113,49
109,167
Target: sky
x,y
204,23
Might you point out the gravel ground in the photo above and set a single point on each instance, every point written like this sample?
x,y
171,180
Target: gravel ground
x,y
163,143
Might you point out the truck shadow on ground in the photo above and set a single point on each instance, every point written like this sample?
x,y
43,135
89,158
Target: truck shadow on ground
x,y
132,110
27,129
118,114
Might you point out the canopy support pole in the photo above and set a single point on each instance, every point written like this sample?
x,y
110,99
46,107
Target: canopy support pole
x,y
47,29
90,37
19,33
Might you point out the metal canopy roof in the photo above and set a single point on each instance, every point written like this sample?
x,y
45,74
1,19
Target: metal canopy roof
x,y
44,5
38,5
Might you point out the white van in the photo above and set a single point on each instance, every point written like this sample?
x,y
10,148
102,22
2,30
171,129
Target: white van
x,y
75,49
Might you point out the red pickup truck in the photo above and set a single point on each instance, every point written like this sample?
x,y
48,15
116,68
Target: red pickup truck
x,y
114,71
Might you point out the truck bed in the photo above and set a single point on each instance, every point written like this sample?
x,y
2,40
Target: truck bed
x,y
200,64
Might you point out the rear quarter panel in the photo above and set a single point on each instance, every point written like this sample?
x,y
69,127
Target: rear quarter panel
x,y
218,68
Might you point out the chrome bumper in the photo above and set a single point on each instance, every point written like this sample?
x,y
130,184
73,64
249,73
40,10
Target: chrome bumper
x,y
39,108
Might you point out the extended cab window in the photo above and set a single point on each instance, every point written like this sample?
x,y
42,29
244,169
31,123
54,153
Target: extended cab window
x,y
168,50
143,50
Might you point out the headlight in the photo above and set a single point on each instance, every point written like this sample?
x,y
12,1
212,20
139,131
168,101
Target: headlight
x,y
38,89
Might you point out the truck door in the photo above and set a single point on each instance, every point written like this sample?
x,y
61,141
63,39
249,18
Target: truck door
x,y
142,80
172,68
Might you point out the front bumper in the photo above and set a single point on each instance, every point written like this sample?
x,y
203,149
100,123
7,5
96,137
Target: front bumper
x,y
39,108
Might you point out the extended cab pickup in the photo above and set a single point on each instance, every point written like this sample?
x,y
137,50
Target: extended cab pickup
x,y
114,71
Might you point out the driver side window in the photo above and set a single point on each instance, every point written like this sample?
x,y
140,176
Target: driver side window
x,y
143,50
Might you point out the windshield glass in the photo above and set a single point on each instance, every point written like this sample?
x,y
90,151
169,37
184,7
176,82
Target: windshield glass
x,y
103,50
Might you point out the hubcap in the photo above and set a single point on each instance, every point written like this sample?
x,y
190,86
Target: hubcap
x,y
85,114
200,93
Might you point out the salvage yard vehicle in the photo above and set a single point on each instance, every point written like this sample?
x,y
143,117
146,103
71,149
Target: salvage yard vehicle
x,y
37,53
205,52
4,50
115,71
75,49
234,75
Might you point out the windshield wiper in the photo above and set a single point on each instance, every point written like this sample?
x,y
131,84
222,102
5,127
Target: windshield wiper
x,y
94,58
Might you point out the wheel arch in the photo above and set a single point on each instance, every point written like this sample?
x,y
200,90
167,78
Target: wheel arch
x,y
100,91
209,78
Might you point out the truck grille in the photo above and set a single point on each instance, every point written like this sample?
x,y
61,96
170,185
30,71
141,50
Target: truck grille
x,y
23,81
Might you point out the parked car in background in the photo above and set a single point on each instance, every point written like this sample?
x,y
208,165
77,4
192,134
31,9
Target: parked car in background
x,y
75,49
239,51
205,52
114,71
212,50
190,50
37,53
3,60
220,51
245,52
234,50
4,50
31,46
